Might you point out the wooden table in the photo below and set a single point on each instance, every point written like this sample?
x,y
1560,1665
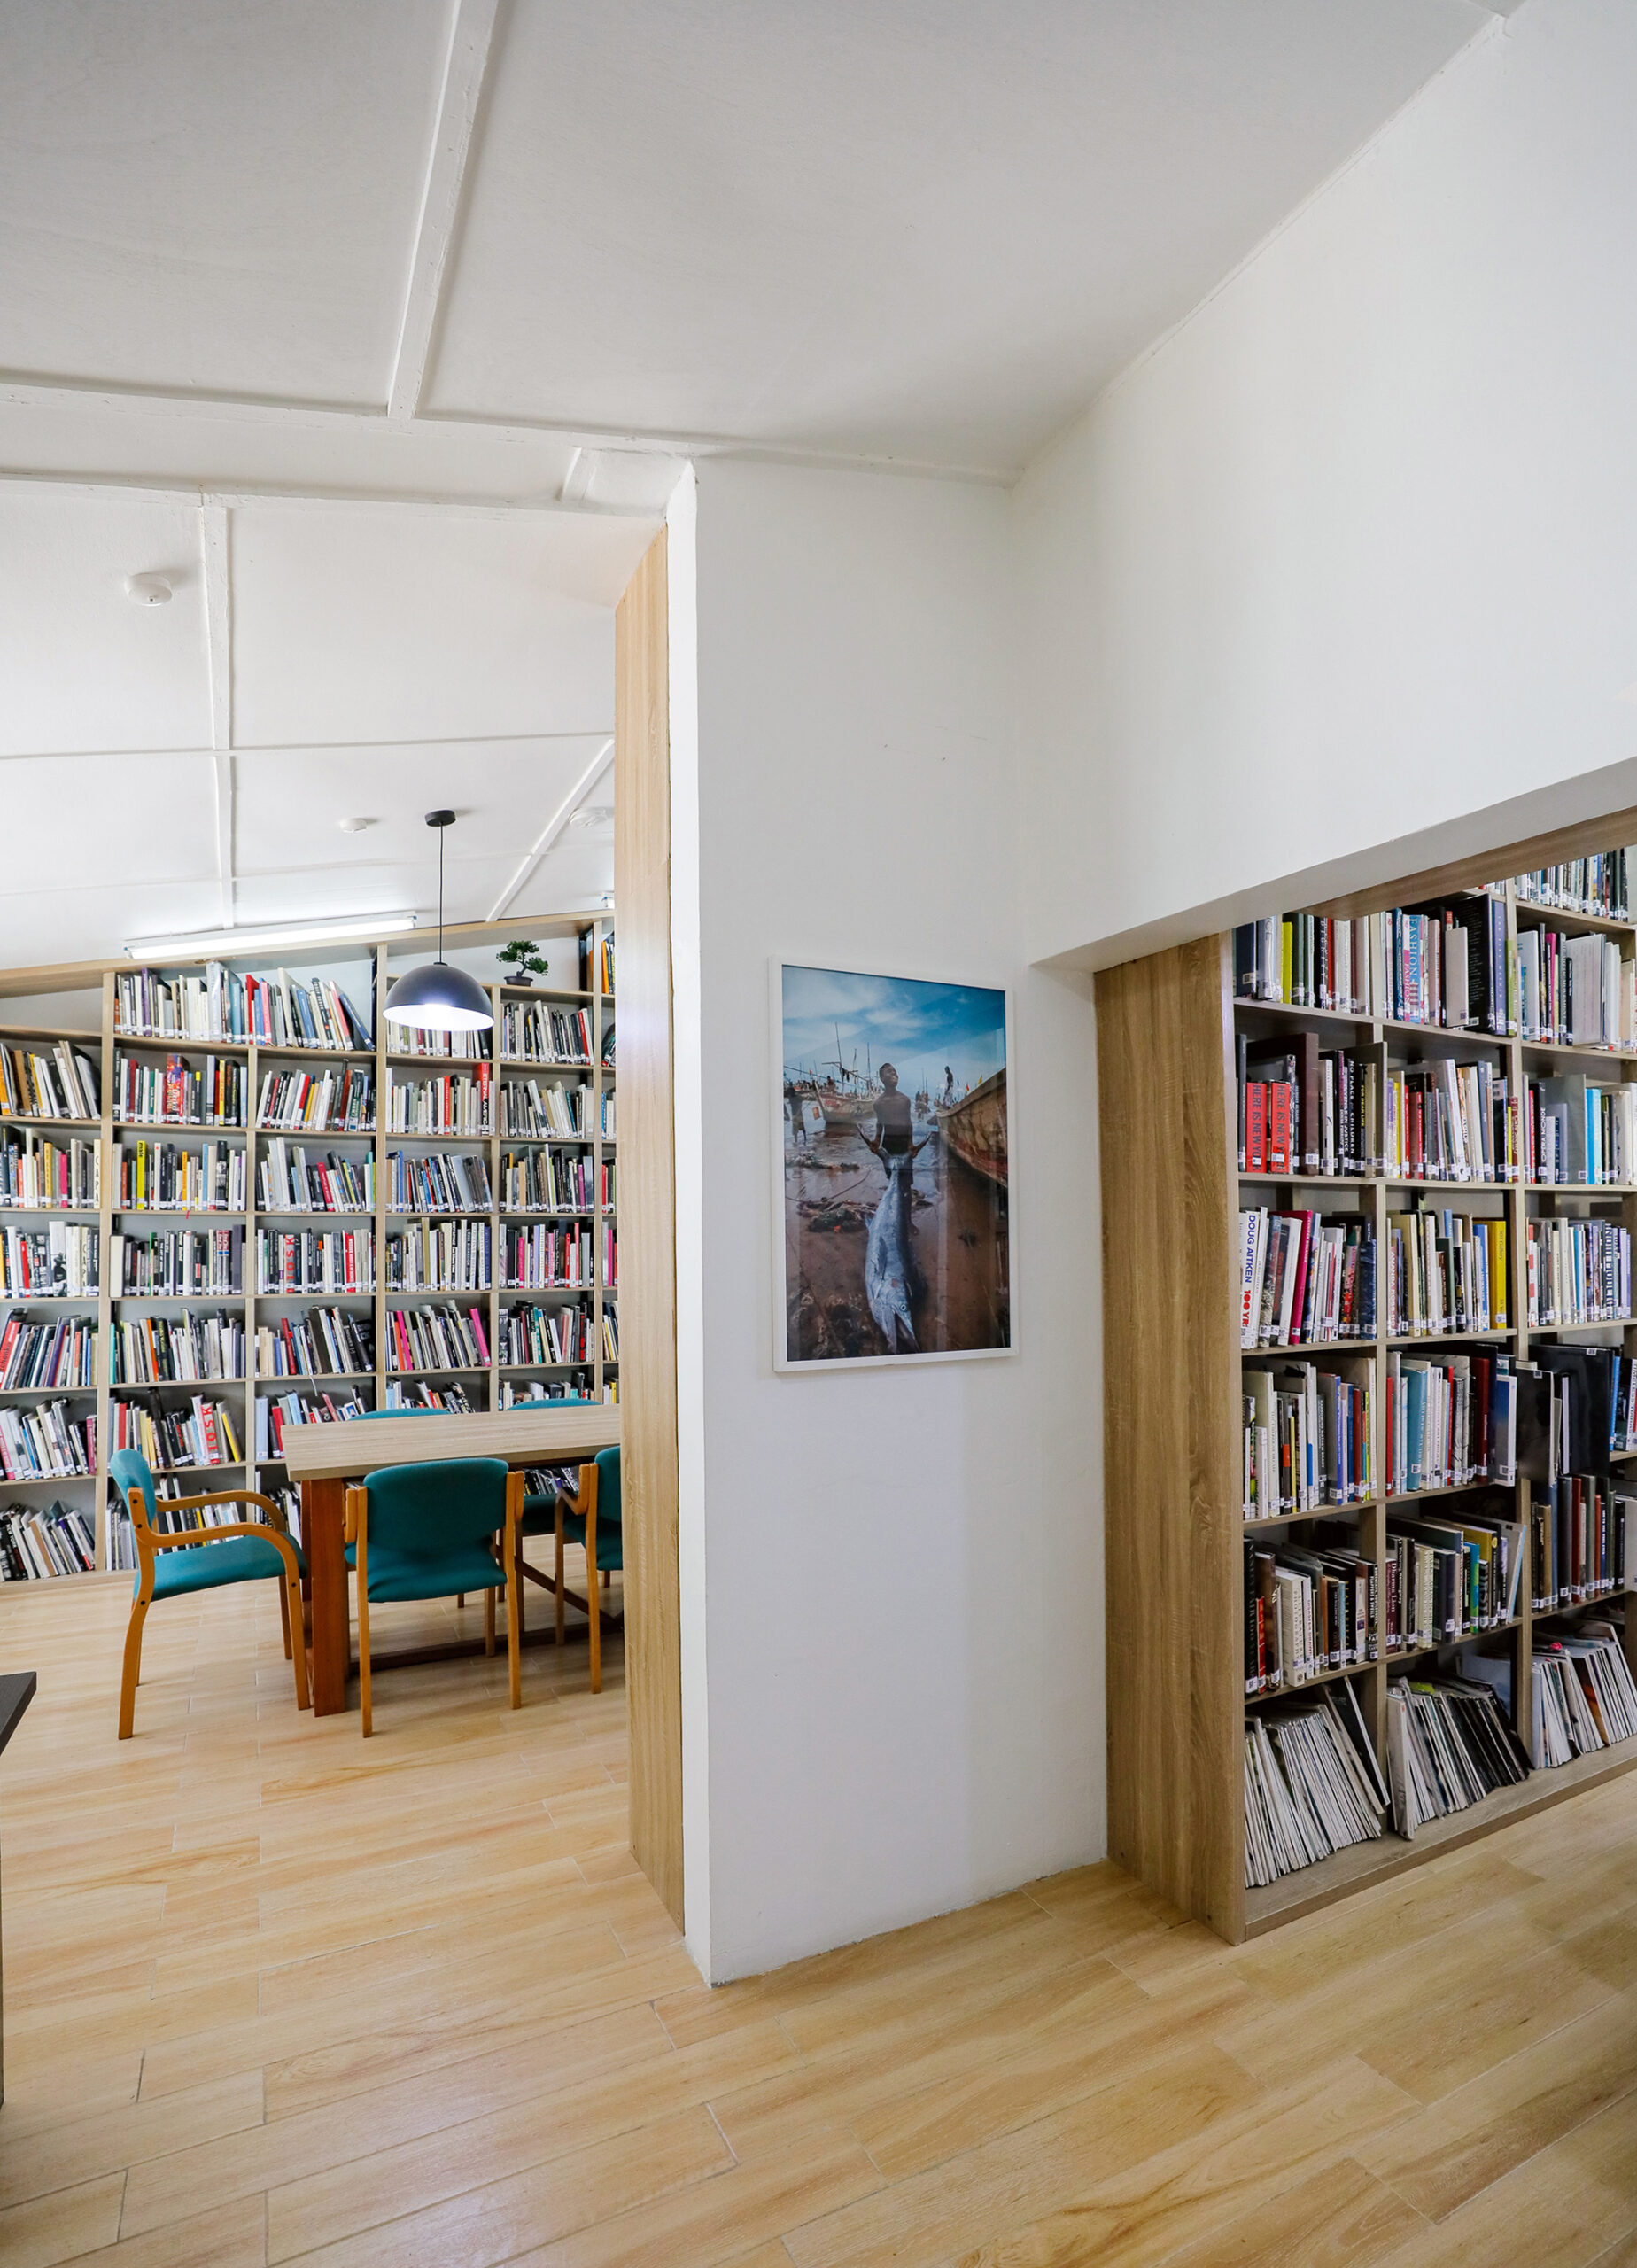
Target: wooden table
x,y
16,1692
322,1459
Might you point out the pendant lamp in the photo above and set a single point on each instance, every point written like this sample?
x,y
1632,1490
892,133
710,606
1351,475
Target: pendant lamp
x,y
435,996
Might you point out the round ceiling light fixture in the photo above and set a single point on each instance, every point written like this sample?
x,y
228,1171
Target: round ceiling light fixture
x,y
148,590
435,996
353,826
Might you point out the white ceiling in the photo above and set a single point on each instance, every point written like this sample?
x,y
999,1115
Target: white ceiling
x,y
381,326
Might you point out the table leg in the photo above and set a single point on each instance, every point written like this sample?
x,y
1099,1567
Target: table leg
x,y
323,1510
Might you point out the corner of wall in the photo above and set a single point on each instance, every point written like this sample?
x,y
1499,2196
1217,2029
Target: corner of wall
x,y
682,517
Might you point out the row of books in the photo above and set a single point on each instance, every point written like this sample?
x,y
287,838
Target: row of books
x,y
1449,1121
167,1177
288,1181
1309,1608
274,1011
456,1103
1307,1437
325,1342
552,1181
1446,1271
437,1338
176,1440
1450,1420
335,1261
35,1173
558,1113
57,1541
1447,1577
1596,885
1577,1272
177,1350
1447,966
610,1335
550,1336
524,1393
1577,1133
541,1256
1575,991
61,1261
277,1413
316,1102
179,1264
60,1083
179,1093
1302,1280
1578,1529
598,974
40,1354
1311,1785
441,1255
454,1181
532,1032
1449,1745
610,1257
1306,1109
45,1442
1582,1695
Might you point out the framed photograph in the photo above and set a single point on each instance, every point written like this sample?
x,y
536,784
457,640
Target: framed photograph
x,y
892,1185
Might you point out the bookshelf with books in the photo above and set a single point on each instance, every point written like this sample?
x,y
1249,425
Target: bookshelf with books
x,y
1367,1567
233,1199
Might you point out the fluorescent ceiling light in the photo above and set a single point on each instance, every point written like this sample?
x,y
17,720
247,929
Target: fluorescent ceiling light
x,y
272,936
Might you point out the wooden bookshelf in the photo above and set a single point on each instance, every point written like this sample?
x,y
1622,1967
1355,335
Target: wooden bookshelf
x,y
1174,1530
104,1041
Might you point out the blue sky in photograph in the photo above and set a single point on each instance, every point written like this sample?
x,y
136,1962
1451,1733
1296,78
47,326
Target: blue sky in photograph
x,y
918,1027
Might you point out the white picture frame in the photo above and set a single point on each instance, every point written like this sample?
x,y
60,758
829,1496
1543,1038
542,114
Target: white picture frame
x,y
966,1295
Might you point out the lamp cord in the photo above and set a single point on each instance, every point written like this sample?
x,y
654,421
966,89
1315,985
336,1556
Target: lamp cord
x,y
440,845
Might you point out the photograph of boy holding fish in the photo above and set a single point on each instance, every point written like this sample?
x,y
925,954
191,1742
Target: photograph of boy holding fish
x,y
893,1174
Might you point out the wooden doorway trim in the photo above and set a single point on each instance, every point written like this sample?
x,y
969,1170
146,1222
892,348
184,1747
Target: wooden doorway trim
x,y
646,1195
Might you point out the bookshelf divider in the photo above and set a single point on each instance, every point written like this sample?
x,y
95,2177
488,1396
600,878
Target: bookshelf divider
x,y
1179,1626
107,1043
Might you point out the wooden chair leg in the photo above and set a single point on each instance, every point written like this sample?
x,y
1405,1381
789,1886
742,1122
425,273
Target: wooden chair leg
x,y
514,1626
519,1610
289,1597
488,1621
363,1638
133,1668
284,1615
559,1577
459,1598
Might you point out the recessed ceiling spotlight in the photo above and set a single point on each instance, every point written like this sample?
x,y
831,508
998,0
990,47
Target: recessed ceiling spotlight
x,y
148,590
354,825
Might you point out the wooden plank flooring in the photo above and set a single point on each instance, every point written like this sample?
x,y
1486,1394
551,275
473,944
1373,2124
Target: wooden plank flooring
x,y
275,1995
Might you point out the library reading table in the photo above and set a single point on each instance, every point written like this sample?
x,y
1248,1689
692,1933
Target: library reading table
x,y
322,1459
16,1692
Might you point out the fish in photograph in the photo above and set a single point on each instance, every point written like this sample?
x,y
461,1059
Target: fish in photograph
x,y
891,1279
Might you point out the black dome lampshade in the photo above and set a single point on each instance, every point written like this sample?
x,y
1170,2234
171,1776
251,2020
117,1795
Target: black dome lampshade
x,y
435,996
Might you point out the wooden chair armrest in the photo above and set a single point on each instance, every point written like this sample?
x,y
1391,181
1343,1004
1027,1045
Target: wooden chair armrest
x,y
585,1495
276,1517
357,1500
215,1534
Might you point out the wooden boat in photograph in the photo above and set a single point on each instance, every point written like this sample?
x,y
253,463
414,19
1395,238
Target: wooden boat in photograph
x,y
975,1127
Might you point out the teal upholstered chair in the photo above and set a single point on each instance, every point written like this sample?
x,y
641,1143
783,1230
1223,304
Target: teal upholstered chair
x,y
203,1559
429,1531
592,1517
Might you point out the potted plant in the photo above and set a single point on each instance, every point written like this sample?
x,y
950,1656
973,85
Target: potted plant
x,y
521,962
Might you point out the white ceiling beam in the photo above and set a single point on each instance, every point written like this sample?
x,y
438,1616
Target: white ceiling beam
x,y
554,825
215,554
120,486
300,748
471,33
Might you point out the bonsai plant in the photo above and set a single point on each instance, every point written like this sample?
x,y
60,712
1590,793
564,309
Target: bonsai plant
x,y
522,963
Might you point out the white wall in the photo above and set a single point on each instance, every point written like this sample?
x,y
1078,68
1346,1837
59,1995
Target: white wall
x,y
894,1704
1354,552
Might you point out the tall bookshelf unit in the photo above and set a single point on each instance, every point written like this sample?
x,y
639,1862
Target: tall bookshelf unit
x,y
1172,1190
392,1061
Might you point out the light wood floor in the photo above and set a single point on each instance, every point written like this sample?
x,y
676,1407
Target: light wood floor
x,y
273,1994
